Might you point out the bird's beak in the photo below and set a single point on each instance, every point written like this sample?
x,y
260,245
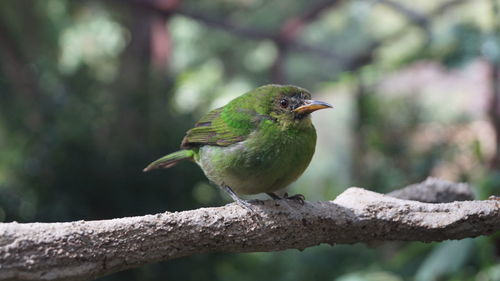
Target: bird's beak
x,y
311,105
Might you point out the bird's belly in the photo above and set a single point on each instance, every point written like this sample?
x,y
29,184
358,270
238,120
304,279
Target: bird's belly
x,y
251,167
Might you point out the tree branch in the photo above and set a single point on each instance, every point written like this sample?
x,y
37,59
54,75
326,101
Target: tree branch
x,y
83,250
434,190
295,24
286,35
411,15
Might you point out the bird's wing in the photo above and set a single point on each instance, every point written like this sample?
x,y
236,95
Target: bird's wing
x,y
221,127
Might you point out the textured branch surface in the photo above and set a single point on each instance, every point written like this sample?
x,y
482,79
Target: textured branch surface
x,y
87,249
434,190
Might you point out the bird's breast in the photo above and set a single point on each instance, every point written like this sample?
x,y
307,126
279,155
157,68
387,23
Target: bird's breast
x,y
268,160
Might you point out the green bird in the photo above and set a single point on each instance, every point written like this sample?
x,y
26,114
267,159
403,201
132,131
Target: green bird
x,y
259,142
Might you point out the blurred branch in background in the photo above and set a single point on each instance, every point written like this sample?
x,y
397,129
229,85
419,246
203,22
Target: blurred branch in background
x,y
286,36
412,15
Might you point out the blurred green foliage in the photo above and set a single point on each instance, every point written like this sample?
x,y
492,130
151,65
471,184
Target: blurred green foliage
x,y
90,92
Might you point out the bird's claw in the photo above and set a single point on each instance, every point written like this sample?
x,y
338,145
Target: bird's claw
x,y
243,203
256,201
273,196
296,197
246,205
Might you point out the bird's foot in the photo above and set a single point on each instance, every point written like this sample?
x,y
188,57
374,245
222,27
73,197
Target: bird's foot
x,y
296,197
243,203
273,195
255,202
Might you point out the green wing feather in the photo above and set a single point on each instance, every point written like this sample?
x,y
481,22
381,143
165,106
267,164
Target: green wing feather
x,y
222,127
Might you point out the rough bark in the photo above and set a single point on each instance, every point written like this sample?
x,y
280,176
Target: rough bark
x,y
83,250
435,190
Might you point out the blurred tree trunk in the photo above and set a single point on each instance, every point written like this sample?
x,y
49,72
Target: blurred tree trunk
x,y
494,112
130,91
21,77
359,146
144,59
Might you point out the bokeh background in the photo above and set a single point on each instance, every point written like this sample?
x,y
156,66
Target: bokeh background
x,y
92,91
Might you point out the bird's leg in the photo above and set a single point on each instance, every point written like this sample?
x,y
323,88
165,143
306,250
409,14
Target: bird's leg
x,y
273,195
296,197
237,199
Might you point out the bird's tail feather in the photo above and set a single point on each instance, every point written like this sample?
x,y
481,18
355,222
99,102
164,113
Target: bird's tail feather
x,y
170,160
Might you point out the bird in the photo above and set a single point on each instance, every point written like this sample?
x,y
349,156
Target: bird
x,y
259,142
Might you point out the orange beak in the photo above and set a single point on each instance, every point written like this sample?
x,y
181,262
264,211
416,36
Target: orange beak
x,y
311,106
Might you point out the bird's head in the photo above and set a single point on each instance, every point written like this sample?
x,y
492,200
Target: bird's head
x,y
291,105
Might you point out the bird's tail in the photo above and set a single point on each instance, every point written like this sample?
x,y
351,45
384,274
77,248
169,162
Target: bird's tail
x,y
170,160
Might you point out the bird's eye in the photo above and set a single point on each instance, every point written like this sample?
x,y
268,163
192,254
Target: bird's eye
x,y
284,103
